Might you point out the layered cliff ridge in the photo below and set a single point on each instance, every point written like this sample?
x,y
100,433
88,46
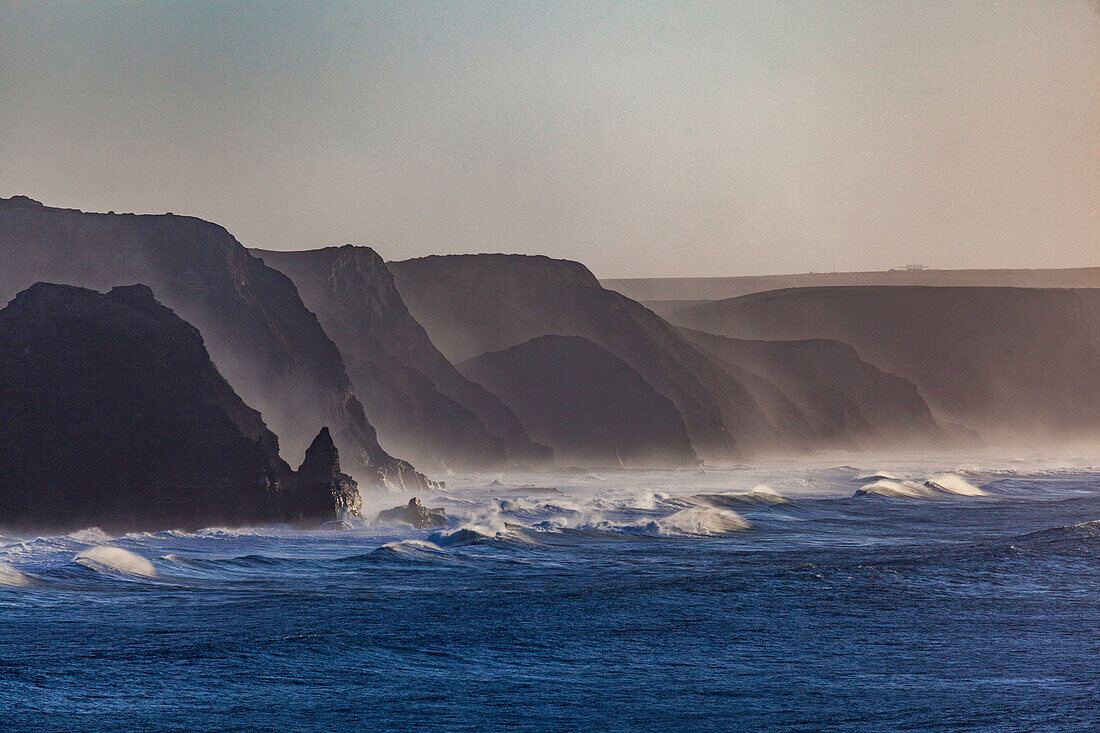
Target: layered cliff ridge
x,y
473,304
590,406
823,390
1021,362
112,414
422,407
768,399
264,340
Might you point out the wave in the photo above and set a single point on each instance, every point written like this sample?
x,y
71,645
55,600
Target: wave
x,y
12,578
948,484
878,476
699,522
760,494
106,558
511,535
1072,535
89,536
954,484
405,548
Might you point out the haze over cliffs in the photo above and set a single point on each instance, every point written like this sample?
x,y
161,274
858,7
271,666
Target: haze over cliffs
x,y
421,405
822,390
471,363
470,304
585,402
264,340
1021,362
113,415
670,294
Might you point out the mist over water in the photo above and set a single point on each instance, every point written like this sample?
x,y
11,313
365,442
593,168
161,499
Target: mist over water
x,y
772,596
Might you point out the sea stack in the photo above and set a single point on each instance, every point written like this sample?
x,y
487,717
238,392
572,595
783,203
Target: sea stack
x,y
320,488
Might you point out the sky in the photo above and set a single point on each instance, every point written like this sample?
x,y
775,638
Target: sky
x,y
645,139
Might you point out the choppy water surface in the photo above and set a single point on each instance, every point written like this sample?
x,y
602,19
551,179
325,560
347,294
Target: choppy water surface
x,y
927,595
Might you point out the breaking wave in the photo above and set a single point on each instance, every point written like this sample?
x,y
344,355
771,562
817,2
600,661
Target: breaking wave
x,y
699,522
12,578
106,558
947,484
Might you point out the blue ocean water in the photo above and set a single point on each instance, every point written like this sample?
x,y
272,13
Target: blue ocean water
x,y
791,597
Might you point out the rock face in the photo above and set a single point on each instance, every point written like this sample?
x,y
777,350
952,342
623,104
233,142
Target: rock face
x,y
472,304
112,414
416,514
1019,362
261,336
422,407
823,390
321,487
588,404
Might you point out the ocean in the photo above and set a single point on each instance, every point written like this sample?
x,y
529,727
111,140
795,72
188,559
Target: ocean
x,y
923,593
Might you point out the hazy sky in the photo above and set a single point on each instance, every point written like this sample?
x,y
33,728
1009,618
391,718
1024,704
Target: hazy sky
x,y
643,139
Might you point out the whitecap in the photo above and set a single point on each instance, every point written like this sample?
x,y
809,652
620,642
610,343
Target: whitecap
x,y
954,484
947,483
699,522
12,578
878,475
89,536
107,558
895,489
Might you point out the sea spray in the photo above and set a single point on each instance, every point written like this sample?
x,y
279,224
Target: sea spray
x,y
12,578
949,484
106,557
954,484
699,522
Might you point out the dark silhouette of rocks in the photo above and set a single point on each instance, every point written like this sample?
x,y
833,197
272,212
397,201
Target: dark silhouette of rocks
x,y
1021,362
261,336
321,484
113,415
416,514
422,407
589,405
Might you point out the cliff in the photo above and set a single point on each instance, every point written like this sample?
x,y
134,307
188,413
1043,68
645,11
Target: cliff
x,y
112,414
472,304
590,406
823,391
1021,362
264,340
422,407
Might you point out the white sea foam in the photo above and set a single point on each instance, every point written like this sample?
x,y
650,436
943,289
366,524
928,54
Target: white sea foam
x,y
12,578
759,494
891,488
106,557
89,536
954,484
878,475
699,522
945,483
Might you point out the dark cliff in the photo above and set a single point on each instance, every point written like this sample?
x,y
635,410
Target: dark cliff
x,y
112,414
268,345
320,487
590,406
422,407
1011,361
